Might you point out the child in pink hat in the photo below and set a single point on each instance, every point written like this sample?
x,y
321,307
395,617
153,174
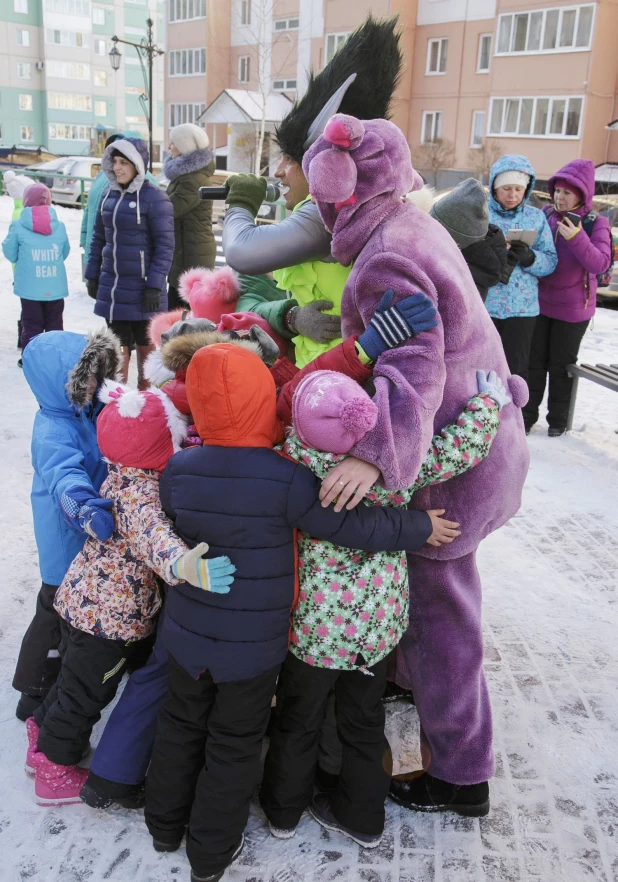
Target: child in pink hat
x,y
353,606
111,594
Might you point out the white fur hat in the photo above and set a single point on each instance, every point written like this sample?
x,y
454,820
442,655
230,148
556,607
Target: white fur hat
x,y
519,178
187,138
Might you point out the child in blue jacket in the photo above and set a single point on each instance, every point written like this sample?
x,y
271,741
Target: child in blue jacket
x,y
37,243
64,371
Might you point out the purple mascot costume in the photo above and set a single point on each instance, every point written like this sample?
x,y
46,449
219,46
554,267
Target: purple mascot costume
x,y
358,174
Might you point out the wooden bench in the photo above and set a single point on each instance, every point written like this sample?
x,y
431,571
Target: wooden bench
x,y
602,374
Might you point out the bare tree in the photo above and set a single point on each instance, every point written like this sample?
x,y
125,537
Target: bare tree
x,y
434,156
481,159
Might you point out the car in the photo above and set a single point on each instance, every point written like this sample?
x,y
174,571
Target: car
x,y
42,167
68,190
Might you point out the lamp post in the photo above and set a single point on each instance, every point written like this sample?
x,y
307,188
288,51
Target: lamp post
x,y
145,49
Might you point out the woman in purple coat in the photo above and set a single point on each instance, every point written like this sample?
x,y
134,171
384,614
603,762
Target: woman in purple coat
x,y
567,297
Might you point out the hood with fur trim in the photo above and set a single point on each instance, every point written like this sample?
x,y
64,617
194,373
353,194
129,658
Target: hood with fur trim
x,y
175,166
178,352
136,152
101,360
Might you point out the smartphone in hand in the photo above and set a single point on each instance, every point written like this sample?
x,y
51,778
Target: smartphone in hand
x,y
574,218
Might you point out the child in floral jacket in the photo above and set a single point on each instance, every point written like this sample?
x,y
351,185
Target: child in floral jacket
x,y
353,605
111,593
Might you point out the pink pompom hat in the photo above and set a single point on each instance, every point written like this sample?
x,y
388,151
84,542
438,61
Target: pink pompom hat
x,y
331,412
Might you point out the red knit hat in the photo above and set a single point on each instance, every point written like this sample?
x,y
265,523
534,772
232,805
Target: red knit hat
x,y
139,430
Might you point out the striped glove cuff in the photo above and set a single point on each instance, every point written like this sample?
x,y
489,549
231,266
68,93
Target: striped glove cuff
x,y
392,327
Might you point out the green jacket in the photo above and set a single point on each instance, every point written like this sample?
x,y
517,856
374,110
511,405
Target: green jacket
x,y
261,295
195,240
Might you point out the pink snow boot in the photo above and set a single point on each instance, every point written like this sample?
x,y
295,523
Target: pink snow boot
x,y
54,784
32,731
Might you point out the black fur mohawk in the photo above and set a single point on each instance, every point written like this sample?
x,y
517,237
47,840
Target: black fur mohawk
x,y
373,53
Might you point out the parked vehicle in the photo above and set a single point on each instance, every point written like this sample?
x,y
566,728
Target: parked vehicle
x,y
67,190
50,166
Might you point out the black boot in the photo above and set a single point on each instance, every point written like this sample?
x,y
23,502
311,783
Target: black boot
x,y
555,433
19,327
421,792
100,793
27,705
393,692
214,877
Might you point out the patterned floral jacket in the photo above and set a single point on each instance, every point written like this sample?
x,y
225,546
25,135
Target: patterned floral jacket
x,y
113,589
353,605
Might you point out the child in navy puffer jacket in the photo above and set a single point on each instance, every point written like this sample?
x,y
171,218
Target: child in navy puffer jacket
x,y
131,250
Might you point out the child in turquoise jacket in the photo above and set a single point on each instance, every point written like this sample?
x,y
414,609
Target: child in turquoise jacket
x,y
37,243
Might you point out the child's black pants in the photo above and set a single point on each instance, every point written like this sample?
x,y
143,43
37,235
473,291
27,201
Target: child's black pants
x,y
92,668
302,697
206,763
38,662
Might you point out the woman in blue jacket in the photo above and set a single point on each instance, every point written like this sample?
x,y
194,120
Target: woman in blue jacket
x,y
37,243
131,251
513,304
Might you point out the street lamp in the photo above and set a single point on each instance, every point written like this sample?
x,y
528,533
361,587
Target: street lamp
x,y
145,49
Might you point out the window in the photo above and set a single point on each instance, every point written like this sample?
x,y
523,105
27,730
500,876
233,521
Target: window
x,y
437,52
478,128
333,43
70,7
25,102
100,78
99,47
98,15
245,12
187,62
284,85
567,29
432,126
536,117
69,132
23,37
100,108
482,65
184,10
24,70
244,68
68,101
21,6
68,70
26,133
66,38
287,24
185,113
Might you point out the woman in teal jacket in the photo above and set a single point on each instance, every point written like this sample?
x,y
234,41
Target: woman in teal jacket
x,y
513,304
37,243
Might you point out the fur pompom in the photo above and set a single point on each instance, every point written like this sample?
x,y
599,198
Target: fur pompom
x,y
209,291
344,132
161,322
155,370
359,414
422,198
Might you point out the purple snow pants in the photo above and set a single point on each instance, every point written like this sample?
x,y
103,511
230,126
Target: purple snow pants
x,y
38,316
440,657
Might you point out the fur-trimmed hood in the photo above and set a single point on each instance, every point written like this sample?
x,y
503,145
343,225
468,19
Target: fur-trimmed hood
x,y
135,150
177,354
175,166
101,360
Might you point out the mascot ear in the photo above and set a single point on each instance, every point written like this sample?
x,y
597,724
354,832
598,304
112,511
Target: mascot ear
x,y
332,177
345,132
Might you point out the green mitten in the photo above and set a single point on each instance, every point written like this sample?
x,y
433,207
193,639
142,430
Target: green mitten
x,y
211,575
246,191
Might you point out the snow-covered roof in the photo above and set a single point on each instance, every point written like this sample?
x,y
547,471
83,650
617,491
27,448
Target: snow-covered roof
x,y
606,173
244,106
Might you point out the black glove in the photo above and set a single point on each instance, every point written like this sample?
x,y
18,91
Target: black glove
x,y
151,300
92,286
523,253
509,266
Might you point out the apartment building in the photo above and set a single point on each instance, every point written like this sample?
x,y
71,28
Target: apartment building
x,y
482,76
57,86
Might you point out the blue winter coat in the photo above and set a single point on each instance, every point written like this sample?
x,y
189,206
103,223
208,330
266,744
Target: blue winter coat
x,y
133,241
520,297
245,502
37,243
65,454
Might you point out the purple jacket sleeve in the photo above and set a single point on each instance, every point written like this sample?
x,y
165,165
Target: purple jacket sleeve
x,y
367,528
593,252
409,380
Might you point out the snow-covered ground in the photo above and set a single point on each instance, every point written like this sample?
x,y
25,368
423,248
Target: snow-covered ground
x,y
551,578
